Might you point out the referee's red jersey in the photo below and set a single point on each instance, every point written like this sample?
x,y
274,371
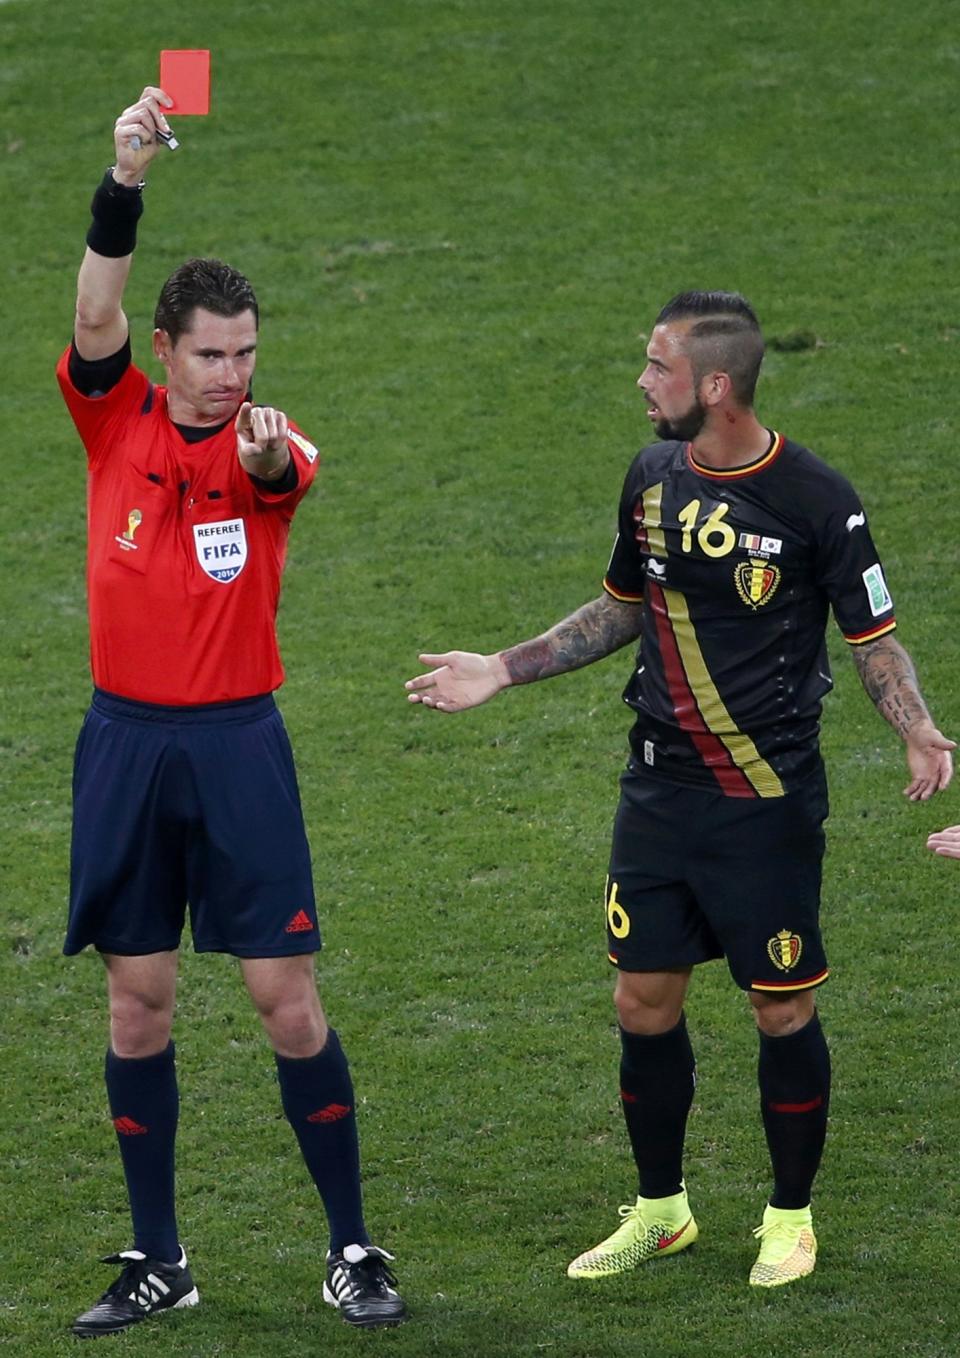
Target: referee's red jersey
x,y
185,551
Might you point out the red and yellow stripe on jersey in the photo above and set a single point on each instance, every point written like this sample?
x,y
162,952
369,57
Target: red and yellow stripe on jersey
x,y
731,756
649,536
871,634
738,473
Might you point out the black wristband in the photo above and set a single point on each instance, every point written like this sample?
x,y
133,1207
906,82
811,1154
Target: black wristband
x,y
281,485
116,211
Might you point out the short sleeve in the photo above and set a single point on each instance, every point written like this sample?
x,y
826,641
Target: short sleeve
x,y
100,419
850,571
625,576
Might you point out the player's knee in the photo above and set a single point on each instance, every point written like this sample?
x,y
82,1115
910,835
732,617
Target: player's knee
x,y
782,1015
644,1009
139,1024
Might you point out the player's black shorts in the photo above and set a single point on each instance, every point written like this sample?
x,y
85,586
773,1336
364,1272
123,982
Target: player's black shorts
x,y
696,875
199,804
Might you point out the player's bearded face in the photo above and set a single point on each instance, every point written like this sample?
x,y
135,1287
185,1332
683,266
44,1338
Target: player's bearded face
x,y
669,385
685,426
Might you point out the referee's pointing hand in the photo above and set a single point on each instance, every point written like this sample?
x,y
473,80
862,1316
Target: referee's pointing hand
x,y
262,440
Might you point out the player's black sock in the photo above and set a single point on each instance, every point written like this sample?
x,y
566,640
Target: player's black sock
x,y
657,1077
794,1074
317,1095
145,1106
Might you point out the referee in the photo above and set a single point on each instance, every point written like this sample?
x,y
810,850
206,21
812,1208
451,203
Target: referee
x,y
733,544
184,784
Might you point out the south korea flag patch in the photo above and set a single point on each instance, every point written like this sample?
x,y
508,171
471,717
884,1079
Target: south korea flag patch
x,y
221,548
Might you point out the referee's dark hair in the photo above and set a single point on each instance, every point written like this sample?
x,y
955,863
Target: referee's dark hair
x,y
724,337
207,283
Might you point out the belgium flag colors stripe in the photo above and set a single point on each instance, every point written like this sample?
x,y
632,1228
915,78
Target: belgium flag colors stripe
x,y
859,638
784,987
730,755
618,594
737,473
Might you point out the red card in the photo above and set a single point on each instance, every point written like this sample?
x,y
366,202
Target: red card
x,y
185,76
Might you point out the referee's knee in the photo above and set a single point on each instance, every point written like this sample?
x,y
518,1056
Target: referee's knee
x,y
138,1029
295,1026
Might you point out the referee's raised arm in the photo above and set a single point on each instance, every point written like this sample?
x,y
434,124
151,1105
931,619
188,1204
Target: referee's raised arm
x,y
100,328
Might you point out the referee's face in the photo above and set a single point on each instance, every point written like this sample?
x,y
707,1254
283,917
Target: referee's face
x,y
673,406
210,367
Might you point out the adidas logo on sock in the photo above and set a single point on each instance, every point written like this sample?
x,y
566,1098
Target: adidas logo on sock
x,y
332,1113
128,1127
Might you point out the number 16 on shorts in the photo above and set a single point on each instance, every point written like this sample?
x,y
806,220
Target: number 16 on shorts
x,y
618,921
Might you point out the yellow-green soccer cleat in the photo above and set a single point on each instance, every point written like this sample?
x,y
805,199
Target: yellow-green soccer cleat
x,y
788,1247
652,1228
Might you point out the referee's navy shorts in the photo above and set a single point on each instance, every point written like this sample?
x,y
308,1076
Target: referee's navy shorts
x,y
197,805
696,875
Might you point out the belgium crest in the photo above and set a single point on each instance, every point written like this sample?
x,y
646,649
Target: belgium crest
x,y
756,581
784,950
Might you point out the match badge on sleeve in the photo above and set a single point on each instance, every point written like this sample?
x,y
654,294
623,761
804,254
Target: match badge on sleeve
x,y
307,448
877,591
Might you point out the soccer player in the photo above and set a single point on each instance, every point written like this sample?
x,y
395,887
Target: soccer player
x,y
733,543
184,784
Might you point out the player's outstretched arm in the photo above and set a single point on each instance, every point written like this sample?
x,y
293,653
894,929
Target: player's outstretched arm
x,y
464,679
100,327
888,675
946,842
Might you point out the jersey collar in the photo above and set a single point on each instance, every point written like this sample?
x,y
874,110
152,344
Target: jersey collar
x,y
737,473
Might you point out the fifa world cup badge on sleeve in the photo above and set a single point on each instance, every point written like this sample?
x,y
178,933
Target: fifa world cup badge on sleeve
x,y
307,448
303,444
877,591
134,520
221,548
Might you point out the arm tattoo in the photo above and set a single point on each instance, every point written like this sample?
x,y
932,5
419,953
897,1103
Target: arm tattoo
x,y
887,674
597,629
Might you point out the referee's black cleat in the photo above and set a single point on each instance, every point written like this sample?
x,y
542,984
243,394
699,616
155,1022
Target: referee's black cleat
x,y
361,1286
144,1287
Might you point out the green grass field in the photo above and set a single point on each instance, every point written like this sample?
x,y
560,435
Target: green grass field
x,y
461,219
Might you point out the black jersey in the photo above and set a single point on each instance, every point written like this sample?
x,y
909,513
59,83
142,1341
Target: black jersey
x,y
737,570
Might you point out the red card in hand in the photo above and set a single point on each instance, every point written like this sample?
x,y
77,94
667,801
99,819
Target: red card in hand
x,y
185,76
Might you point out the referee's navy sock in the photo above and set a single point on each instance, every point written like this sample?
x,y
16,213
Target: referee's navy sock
x,y
794,1075
317,1096
145,1106
657,1079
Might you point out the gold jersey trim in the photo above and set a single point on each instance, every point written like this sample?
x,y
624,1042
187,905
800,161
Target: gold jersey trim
x,y
618,594
863,637
652,522
777,442
784,987
713,710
